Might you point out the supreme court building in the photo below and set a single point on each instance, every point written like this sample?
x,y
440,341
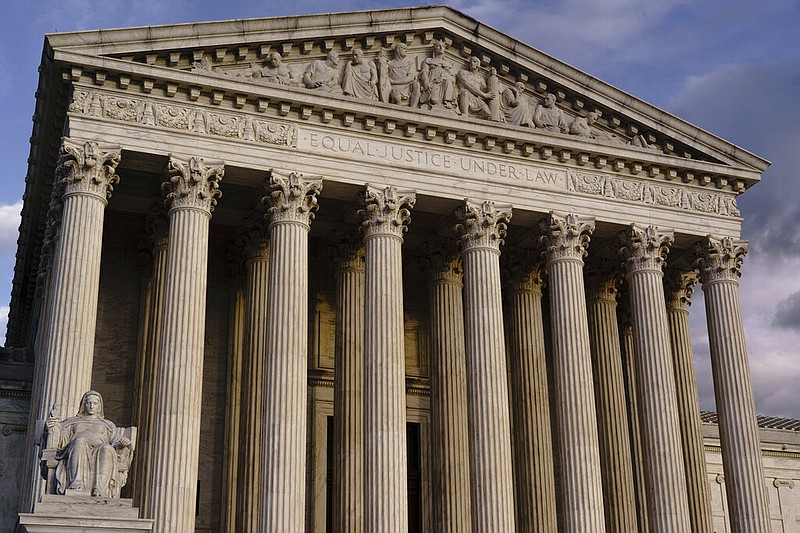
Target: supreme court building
x,y
381,272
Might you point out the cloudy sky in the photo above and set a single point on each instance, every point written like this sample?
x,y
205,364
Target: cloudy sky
x,y
728,66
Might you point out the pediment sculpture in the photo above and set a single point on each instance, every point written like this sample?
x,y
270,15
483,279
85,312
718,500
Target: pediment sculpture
x,y
86,452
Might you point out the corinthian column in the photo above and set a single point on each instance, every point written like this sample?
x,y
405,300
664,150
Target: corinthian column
x,y
602,285
86,177
191,194
679,288
482,227
720,261
449,423
157,226
566,239
253,239
533,445
386,214
292,201
645,251
347,254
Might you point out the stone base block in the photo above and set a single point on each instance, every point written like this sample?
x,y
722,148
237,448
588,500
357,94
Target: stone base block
x,y
78,512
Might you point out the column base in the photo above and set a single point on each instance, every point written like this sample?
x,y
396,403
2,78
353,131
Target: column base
x,y
78,512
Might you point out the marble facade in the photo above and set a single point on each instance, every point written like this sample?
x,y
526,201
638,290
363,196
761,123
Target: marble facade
x,y
371,272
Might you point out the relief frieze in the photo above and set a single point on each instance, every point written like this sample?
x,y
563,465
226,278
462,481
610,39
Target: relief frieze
x,y
183,118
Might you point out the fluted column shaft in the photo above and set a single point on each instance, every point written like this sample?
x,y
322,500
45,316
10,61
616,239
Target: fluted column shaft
x,y
292,205
147,369
449,419
348,385
645,250
250,475
233,407
67,346
720,266
533,445
565,240
482,228
637,459
191,195
612,414
386,214
679,290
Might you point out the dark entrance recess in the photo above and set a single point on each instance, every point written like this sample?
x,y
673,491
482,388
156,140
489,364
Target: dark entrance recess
x,y
414,478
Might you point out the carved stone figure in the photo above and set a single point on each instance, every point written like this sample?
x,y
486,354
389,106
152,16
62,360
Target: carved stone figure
x,y
91,453
517,106
437,81
203,65
582,126
360,78
473,91
273,71
549,117
323,74
402,75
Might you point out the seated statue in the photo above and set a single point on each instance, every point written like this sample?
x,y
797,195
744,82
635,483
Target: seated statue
x,y
473,90
86,452
549,117
360,78
437,81
324,75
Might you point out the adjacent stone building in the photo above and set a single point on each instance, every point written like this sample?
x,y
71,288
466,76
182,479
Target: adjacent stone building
x,y
383,271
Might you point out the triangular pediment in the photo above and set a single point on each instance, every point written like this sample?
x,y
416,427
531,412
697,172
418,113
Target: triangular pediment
x,y
290,60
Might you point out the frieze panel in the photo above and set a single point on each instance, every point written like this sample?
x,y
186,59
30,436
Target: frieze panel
x,y
652,194
183,118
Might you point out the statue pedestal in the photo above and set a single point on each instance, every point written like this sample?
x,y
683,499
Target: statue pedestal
x,y
79,512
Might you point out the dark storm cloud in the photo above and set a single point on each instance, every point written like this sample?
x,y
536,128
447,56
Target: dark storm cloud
x,y
787,312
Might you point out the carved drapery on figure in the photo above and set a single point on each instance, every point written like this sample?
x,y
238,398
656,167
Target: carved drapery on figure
x,y
86,452
482,225
193,184
386,210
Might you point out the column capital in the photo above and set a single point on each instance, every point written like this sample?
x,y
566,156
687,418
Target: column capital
x,y
441,262
385,211
192,184
678,288
252,237
565,236
346,251
603,281
156,225
292,198
720,258
482,224
522,269
88,168
645,247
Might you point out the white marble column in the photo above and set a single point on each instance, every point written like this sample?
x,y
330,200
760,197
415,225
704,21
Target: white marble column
x,y
481,227
449,420
533,446
719,261
386,214
602,284
191,193
679,287
637,460
347,254
565,240
644,250
292,201
254,242
157,227
233,403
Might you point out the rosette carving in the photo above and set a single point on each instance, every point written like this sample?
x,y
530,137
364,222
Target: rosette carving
x,y
88,168
292,198
522,269
565,237
482,225
346,250
679,288
720,258
645,248
193,184
440,261
385,211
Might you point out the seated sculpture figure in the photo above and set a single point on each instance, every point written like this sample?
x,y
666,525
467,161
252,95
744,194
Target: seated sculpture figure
x,y
437,81
91,453
549,117
473,90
